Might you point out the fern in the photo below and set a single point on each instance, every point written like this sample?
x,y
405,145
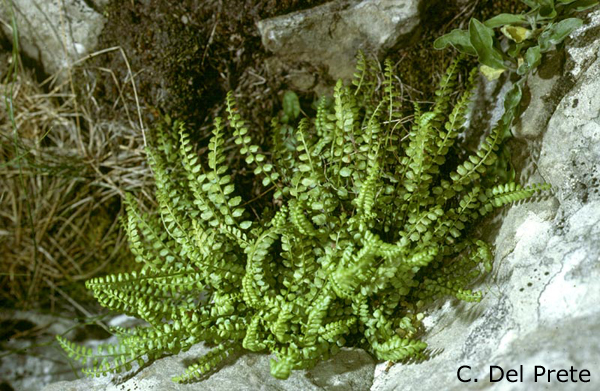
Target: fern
x,y
366,229
205,364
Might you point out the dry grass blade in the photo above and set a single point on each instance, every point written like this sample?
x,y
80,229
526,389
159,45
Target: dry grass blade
x,y
69,170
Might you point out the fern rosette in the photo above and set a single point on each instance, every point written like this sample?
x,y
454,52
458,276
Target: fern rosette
x,y
369,223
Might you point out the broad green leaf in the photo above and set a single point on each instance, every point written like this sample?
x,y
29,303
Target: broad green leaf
x,y
291,104
514,49
582,5
547,10
482,39
459,39
556,33
562,29
513,97
532,59
516,33
319,219
308,182
235,201
491,73
504,19
342,192
530,3
511,105
228,189
544,41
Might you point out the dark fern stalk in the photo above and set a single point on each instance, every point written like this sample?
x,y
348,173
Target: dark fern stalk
x,y
368,230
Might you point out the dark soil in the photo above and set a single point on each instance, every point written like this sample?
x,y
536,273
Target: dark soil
x,y
188,54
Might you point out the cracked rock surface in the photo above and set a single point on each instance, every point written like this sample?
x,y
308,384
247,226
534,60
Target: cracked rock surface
x,y
352,369
331,34
54,33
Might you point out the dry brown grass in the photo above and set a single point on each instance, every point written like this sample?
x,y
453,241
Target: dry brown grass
x,y
62,174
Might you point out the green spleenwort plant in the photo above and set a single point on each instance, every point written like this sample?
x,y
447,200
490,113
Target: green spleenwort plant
x,y
372,222
521,41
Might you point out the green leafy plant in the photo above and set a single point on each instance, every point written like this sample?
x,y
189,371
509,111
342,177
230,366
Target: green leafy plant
x,y
523,39
370,221
515,43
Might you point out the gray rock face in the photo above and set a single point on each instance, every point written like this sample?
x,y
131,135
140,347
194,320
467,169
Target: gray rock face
x,y
55,33
556,77
27,358
331,34
352,369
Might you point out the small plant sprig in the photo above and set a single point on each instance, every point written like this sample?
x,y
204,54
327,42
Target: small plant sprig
x,y
523,39
515,43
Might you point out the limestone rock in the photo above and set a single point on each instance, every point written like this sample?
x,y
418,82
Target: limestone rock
x,y
54,33
28,355
351,369
331,34
556,76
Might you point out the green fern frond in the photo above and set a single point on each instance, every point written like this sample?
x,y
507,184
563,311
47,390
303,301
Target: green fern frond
x,y
507,193
369,220
206,364
392,96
